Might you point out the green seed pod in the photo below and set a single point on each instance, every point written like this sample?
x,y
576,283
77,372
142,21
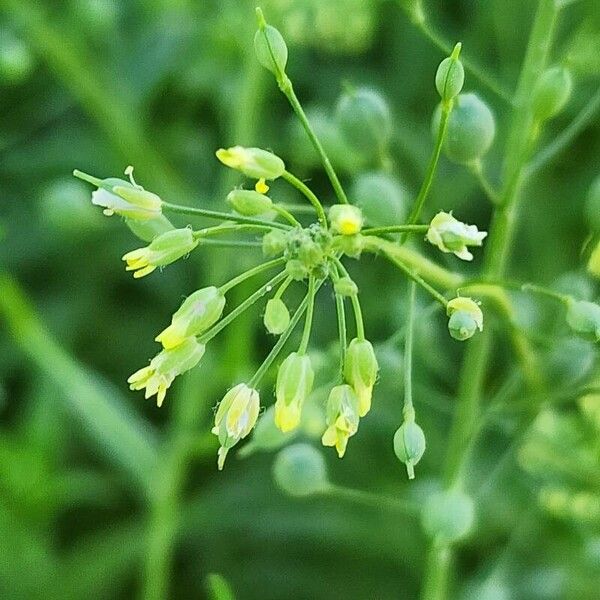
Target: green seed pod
x,y
277,316
465,318
360,371
471,128
274,243
584,319
450,76
300,470
346,219
296,269
294,383
365,121
409,445
344,286
381,198
592,206
552,92
252,162
448,515
249,203
198,312
271,50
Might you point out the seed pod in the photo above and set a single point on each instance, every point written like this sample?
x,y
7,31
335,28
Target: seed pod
x,y
448,515
360,371
465,318
344,286
552,92
249,203
471,128
365,121
252,162
346,219
274,243
300,470
294,383
409,445
450,76
381,198
271,49
584,319
277,316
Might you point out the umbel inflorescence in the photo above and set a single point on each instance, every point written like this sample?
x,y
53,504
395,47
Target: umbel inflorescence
x,y
311,256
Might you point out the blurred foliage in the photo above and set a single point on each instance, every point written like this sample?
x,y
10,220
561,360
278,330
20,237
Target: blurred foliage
x,y
103,495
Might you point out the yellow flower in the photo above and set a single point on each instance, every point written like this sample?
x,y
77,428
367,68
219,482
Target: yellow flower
x,y
342,418
261,186
346,219
294,384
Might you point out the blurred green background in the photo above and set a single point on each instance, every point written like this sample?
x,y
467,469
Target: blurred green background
x,y
102,495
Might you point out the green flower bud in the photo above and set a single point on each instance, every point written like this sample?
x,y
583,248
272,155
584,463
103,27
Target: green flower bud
x,y
346,219
296,269
365,121
235,418
344,286
148,229
381,198
465,318
471,128
450,76
448,515
409,445
350,245
274,243
342,418
451,235
163,250
165,366
360,371
300,470
249,203
270,47
584,319
592,206
198,312
552,92
252,162
593,265
277,316
294,383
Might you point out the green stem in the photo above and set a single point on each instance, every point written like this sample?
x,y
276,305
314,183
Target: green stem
x,y
221,229
301,209
360,326
284,286
476,169
309,316
304,189
340,310
396,229
538,289
288,216
250,273
221,216
230,244
408,352
375,501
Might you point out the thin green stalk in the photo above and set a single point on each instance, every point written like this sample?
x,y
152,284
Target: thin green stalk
x,y
301,209
412,228
358,316
340,310
542,291
375,501
288,216
284,286
250,273
230,244
221,216
309,316
304,189
408,351
476,169
221,229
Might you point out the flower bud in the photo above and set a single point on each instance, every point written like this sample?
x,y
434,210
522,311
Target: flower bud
x,y
296,269
450,76
277,316
346,219
360,371
552,92
163,250
451,235
448,515
148,229
294,383
270,47
342,418
365,121
249,203
584,319
381,198
165,366
274,243
593,265
252,162
471,128
300,470
344,286
198,312
409,445
465,318
235,418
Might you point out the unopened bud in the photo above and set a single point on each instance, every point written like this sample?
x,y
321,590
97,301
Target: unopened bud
x,y
409,445
465,318
249,203
252,162
277,316
270,47
360,371
294,383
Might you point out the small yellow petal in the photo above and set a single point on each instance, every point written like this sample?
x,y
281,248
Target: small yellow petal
x,y
145,271
261,187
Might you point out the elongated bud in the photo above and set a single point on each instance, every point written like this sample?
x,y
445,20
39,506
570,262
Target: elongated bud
x,y
277,316
360,371
274,243
198,312
270,47
451,235
465,318
252,162
294,383
342,418
409,445
249,203
552,92
344,286
584,319
235,418
163,250
165,366
346,219
300,470
448,515
450,76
